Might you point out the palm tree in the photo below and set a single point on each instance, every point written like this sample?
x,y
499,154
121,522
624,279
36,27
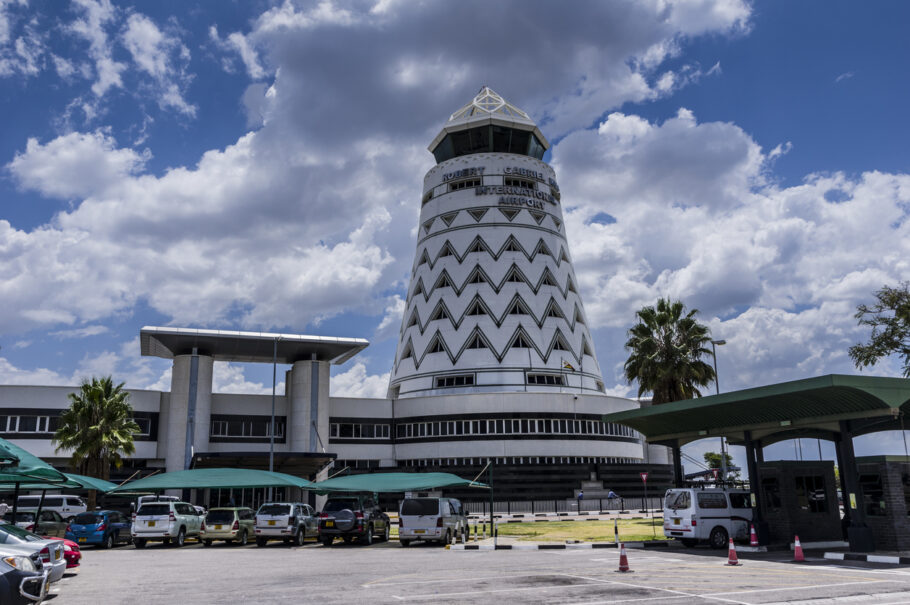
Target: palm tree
x,y
97,427
666,347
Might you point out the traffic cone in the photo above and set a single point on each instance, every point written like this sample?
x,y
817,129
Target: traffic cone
x,y
731,555
623,559
753,539
798,551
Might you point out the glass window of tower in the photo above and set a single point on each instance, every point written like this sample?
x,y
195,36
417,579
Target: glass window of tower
x,y
488,139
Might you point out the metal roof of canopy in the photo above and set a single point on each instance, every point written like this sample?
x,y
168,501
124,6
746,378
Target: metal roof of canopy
x,y
813,404
257,347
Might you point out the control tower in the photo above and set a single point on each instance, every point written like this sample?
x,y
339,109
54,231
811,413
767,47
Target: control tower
x,y
493,302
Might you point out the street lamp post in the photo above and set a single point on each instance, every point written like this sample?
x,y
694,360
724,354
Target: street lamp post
x,y
723,457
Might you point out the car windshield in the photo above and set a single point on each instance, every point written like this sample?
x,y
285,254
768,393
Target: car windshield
x,y
220,516
21,517
88,519
274,509
154,509
20,533
420,506
333,506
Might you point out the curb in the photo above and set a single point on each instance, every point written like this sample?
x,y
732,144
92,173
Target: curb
x,y
852,556
584,545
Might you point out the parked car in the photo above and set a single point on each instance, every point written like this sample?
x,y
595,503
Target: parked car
x,y
287,521
231,524
23,578
50,522
103,528
50,551
165,522
66,506
711,515
431,520
349,517
71,552
150,498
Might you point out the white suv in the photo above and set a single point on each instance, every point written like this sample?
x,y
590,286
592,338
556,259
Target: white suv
x,y
67,506
286,521
165,521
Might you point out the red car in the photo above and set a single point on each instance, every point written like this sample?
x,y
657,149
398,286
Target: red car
x,y
71,551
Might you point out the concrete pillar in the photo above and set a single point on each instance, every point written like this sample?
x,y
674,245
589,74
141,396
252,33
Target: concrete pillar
x,y
309,402
858,533
180,399
679,480
762,529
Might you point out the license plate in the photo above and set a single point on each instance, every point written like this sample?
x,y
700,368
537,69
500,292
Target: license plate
x,y
330,524
675,521
83,539
217,527
271,523
151,524
57,555
419,531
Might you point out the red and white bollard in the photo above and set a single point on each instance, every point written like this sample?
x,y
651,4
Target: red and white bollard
x,y
623,560
753,539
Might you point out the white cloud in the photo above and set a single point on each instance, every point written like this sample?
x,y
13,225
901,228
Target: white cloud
x,y
230,378
91,27
844,76
80,332
75,165
162,57
357,383
391,321
22,49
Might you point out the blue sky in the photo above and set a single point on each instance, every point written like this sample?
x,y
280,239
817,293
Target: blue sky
x,y
258,165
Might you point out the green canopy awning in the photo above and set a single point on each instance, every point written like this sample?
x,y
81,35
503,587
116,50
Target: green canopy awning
x,y
392,482
813,403
19,466
91,483
72,483
211,478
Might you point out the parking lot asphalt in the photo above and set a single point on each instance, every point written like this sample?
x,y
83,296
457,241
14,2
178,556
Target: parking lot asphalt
x,y
388,573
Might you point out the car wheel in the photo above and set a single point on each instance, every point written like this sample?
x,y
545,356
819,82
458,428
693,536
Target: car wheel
x,y
108,542
448,538
300,537
405,543
139,543
206,543
243,538
719,538
180,540
327,541
385,534
688,542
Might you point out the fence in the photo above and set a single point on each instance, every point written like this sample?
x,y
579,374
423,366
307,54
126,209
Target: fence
x,y
592,505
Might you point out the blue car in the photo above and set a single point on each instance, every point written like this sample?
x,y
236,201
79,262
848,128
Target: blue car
x,y
104,528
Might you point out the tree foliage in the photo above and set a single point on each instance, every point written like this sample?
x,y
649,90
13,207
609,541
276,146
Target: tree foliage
x,y
889,319
666,349
712,459
97,427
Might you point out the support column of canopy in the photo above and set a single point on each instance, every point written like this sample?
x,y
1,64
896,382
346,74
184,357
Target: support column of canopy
x,y
858,533
753,457
677,464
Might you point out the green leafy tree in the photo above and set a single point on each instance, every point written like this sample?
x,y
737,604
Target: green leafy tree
x,y
712,459
666,349
889,319
97,428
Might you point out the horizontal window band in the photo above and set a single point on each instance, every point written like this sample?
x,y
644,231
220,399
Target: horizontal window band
x,y
516,437
245,440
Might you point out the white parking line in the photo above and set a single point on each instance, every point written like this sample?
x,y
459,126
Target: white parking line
x,y
473,578
811,587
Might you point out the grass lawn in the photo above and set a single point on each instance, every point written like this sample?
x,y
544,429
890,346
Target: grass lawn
x,y
630,530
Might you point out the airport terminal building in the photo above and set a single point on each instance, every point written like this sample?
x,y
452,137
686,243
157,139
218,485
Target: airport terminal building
x,y
495,361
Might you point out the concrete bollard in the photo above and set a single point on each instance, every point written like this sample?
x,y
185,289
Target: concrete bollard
x,y
615,531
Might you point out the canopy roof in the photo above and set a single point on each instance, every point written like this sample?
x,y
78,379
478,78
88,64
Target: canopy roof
x,y
211,478
392,482
812,404
72,483
19,466
229,345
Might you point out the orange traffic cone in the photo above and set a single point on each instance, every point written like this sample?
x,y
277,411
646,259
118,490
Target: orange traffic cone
x,y
797,551
731,555
623,560
753,539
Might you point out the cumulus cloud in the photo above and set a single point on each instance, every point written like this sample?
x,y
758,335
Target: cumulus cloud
x,y
357,383
80,332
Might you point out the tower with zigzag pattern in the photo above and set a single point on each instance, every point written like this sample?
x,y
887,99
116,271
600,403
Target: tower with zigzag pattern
x,y
493,302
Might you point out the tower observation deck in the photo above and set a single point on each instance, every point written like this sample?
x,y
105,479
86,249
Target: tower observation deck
x,y
493,302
